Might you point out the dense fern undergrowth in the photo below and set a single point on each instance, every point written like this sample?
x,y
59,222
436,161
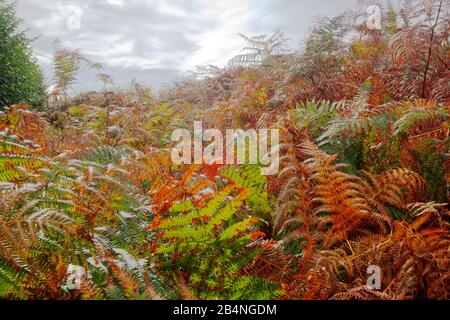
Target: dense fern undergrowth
x,y
88,186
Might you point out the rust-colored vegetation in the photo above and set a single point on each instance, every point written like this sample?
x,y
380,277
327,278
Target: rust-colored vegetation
x,y
88,184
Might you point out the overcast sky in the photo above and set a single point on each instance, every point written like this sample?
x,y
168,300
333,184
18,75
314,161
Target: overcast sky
x,y
156,41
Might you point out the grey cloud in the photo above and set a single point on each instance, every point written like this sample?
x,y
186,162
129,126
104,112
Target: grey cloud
x,y
152,40
295,17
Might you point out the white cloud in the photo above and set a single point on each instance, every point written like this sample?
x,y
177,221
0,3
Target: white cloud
x,y
119,3
170,9
104,47
43,57
219,44
129,62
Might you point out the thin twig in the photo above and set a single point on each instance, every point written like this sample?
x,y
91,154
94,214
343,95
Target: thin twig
x,y
443,62
430,49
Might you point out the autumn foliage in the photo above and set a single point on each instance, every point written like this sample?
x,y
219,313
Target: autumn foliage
x,y
89,185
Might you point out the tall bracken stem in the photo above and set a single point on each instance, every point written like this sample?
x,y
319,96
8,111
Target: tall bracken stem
x,y
108,110
430,49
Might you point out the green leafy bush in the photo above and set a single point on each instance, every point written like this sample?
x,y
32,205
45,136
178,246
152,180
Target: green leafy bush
x,y
21,79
